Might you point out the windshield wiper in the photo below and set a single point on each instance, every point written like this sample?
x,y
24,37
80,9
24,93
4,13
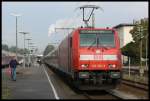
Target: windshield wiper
x,y
104,47
91,45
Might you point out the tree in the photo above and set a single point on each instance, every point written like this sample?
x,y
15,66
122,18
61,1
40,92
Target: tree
x,y
132,49
137,33
26,51
21,51
5,47
12,49
48,49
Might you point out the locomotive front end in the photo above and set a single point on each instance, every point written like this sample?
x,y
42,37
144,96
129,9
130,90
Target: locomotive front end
x,y
99,57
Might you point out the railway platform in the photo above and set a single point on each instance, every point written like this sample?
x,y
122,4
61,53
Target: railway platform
x,y
31,83
34,83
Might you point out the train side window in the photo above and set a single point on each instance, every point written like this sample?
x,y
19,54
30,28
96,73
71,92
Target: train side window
x,y
70,41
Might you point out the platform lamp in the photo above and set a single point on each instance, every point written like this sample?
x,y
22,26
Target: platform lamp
x,y
16,15
24,33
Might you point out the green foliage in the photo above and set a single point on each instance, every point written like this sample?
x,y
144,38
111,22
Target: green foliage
x,y
137,33
143,23
132,49
48,49
21,51
5,47
13,49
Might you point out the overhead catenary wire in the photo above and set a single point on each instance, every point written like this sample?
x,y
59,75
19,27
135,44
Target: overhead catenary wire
x,y
73,22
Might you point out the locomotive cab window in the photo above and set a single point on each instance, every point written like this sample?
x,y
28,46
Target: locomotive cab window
x,y
99,38
88,39
106,39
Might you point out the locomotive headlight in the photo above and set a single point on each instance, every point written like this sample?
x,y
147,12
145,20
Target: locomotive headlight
x,y
84,65
112,66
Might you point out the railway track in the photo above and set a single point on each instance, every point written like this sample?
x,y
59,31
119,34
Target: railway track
x,y
121,94
109,94
134,84
99,95
138,91
85,94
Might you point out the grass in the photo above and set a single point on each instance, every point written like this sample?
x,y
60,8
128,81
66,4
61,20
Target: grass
x,y
6,91
136,78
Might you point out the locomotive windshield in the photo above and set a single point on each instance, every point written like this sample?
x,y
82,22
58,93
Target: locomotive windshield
x,y
104,38
88,40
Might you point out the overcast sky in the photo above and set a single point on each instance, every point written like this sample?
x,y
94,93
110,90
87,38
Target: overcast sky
x,y
40,18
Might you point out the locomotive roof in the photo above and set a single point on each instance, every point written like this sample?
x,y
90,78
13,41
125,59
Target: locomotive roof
x,y
91,28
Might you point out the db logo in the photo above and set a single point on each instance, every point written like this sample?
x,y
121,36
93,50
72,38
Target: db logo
x,y
98,51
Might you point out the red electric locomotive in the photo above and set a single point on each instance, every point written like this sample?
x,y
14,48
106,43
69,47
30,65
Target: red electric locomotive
x,y
89,57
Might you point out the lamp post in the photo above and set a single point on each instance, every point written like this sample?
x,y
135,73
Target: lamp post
x,y
24,33
129,66
16,15
146,52
32,55
140,30
35,52
146,43
140,35
32,47
29,52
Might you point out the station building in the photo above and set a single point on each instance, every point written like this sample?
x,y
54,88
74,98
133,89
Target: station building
x,y
124,33
125,36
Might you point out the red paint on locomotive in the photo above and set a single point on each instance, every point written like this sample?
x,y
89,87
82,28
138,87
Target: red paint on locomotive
x,y
78,61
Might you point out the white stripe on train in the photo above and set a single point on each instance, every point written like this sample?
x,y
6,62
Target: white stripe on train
x,y
98,57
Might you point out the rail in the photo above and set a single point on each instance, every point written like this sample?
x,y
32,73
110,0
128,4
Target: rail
x,y
138,85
